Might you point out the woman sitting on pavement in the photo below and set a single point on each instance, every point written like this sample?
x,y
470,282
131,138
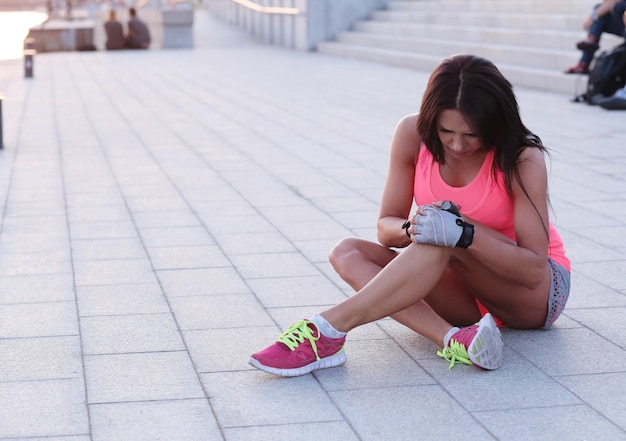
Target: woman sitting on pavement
x,y
489,258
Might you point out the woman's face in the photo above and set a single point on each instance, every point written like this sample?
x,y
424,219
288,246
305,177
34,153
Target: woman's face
x,y
458,139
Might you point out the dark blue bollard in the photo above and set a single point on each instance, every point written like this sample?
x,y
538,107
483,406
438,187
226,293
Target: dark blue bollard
x,y
29,61
29,56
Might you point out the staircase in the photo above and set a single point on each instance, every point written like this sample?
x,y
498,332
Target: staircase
x,y
531,41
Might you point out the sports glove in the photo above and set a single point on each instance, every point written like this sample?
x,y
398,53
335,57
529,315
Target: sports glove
x,y
443,226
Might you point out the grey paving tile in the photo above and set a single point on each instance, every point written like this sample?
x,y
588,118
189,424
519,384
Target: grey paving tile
x,y
240,399
184,420
163,219
38,320
113,272
187,257
151,376
317,250
286,292
331,431
45,262
40,358
587,292
262,242
111,213
607,322
33,242
212,350
204,281
110,197
253,266
397,412
218,311
156,203
608,272
108,249
52,438
234,224
130,334
102,230
40,222
43,408
364,369
121,299
568,351
175,236
595,391
517,384
549,424
36,288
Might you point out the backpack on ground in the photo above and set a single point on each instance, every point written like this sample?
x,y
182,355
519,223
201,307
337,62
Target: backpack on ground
x,y
607,74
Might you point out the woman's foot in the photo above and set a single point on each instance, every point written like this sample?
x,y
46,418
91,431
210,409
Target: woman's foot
x,y
301,349
580,68
479,345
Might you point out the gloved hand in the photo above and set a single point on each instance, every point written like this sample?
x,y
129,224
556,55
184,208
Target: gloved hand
x,y
442,226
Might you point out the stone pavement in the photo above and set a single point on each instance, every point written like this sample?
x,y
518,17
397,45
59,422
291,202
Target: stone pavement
x,y
167,213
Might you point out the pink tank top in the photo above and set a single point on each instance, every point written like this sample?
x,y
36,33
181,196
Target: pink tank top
x,y
484,199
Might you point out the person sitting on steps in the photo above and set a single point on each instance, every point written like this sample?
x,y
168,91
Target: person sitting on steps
x,y
138,34
605,17
114,32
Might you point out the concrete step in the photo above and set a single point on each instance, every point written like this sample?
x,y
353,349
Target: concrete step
x,y
578,7
532,42
510,54
519,75
504,36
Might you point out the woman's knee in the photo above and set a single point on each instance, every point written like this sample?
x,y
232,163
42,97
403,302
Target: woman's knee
x,y
343,252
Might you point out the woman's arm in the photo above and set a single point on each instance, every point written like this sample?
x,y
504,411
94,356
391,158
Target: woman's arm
x,y
398,191
525,261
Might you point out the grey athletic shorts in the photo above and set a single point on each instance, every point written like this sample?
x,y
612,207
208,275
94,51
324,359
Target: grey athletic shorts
x,y
559,292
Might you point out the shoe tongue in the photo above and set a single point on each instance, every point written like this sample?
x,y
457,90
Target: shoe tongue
x,y
283,346
465,335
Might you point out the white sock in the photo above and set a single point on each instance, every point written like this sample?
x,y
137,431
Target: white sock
x,y
326,328
451,332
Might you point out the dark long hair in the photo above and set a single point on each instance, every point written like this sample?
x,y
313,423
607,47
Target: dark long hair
x,y
475,87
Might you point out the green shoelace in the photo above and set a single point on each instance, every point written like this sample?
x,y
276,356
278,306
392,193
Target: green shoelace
x,y
454,353
298,333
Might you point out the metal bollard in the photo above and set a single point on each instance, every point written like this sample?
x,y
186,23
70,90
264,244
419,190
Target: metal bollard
x,y
29,54
29,61
1,135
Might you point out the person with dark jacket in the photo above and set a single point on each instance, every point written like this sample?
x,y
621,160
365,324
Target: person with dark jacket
x,y
606,17
114,32
138,34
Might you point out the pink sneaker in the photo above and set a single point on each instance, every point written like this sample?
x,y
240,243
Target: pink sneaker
x,y
299,350
480,344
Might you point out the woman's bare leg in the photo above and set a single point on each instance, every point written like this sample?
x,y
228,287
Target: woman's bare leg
x,y
358,261
394,288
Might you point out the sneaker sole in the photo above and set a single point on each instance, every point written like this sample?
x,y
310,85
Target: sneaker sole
x,y
487,347
327,362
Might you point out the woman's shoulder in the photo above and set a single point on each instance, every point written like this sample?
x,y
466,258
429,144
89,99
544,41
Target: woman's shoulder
x,y
406,141
408,122
531,154
406,129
